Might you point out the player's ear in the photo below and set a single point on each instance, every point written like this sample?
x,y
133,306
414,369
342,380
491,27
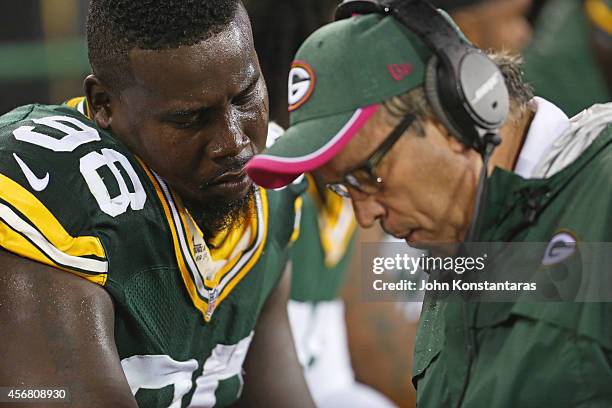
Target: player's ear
x,y
99,100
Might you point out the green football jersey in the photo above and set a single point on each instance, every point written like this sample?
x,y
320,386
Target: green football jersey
x,y
322,252
74,197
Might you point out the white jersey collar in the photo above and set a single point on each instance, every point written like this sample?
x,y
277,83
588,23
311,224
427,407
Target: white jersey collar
x,y
548,124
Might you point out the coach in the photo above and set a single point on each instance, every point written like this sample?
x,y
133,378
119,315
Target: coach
x,y
392,106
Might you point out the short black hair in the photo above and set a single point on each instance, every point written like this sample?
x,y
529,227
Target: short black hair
x,y
115,27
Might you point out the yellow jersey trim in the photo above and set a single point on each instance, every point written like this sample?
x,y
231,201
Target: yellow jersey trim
x,y
227,246
262,234
297,206
206,295
80,104
336,220
198,300
600,14
29,229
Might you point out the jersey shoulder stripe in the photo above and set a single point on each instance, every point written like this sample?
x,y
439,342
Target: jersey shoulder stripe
x,y
80,104
29,229
49,219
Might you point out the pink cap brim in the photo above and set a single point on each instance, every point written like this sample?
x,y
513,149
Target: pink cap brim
x,y
272,171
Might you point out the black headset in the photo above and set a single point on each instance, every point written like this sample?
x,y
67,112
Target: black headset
x,y
464,87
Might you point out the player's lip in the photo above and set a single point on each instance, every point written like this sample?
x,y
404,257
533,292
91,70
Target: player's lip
x,y
232,183
228,177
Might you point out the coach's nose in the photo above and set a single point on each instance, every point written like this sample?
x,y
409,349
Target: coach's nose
x,y
367,209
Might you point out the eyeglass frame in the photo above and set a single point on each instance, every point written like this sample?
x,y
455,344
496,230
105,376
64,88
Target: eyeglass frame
x,y
349,180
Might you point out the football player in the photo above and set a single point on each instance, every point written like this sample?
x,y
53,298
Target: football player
x,y
139,263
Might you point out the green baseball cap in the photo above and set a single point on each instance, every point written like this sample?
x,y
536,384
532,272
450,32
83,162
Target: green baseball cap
x,y
340,75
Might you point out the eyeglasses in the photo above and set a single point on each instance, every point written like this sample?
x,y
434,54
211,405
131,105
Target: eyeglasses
x,y
363,178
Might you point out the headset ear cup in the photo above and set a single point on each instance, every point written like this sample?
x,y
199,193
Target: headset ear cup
x,y
431,91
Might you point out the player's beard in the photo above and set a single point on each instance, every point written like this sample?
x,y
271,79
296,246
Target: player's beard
x,y
216,215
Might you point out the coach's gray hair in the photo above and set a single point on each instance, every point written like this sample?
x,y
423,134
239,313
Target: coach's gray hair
x,y
415,100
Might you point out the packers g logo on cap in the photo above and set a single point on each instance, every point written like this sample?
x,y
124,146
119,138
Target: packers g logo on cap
x,y
301,84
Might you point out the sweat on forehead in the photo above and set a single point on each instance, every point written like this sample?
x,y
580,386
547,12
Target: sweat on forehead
x,y
221,62
114,27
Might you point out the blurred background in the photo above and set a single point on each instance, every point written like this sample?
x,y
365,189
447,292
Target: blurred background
x,y
567,46
43,56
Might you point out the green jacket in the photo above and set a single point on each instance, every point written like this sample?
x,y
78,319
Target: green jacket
x,y
522,354
322,252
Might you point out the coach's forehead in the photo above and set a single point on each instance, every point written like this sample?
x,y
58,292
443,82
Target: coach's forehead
x,y
367,139
210,68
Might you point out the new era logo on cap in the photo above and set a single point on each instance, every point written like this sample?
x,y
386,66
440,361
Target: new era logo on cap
x,y
399,71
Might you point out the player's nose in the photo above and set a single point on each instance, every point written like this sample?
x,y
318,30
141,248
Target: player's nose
x,y
229,140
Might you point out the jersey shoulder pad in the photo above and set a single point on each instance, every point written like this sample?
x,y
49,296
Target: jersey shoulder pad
x,y
60,176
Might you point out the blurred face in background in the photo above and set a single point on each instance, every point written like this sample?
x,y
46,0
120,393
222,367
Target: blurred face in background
x,y
599,13
602,45
495,24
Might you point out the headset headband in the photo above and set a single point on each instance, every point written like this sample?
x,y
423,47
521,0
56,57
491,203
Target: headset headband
x,y
430,25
